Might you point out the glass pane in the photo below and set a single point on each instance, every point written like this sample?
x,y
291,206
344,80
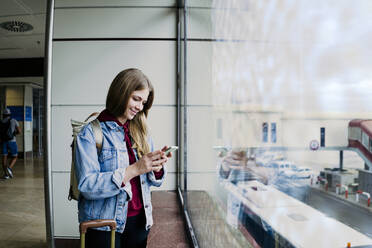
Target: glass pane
x,y
304,68
273,132
365,140
265,132
355,133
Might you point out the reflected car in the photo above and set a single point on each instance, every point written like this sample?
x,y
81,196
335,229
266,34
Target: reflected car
x,y
265,158
282,165
300,172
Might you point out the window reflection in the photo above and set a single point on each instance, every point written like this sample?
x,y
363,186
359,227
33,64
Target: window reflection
x,y
273,132
291,85
265,132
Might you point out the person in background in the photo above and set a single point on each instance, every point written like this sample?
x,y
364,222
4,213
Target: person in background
x,y
9,128
115,184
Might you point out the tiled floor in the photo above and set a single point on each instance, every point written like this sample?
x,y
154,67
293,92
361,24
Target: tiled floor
x,y
168,230
22,211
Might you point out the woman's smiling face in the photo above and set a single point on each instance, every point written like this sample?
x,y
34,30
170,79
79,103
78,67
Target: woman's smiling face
x,y
136,102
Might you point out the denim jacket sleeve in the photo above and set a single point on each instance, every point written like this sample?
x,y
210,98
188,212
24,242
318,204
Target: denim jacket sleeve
x,y
92,183
150,175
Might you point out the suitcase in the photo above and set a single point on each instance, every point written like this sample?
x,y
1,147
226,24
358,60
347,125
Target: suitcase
x,y
83,227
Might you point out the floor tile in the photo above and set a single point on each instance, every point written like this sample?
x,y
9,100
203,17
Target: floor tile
x,y
22,210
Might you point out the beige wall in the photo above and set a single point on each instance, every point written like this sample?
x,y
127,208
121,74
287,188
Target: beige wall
x,y
15,95
83,70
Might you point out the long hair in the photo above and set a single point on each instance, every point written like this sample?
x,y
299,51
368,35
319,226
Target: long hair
x,y
117,100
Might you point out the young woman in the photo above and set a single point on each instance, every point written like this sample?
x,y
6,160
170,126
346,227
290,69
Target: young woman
x,y
115,183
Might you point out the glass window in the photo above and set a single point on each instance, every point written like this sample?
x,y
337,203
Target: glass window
x,y
265,132
355,133
247,77
322,136
273,132
365,140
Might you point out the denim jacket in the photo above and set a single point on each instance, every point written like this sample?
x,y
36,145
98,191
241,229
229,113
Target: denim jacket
x,y
100,177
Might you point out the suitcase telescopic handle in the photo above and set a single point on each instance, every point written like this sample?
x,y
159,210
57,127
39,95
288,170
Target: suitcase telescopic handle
x,y
97,223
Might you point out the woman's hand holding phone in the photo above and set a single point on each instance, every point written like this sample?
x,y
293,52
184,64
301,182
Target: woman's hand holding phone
x,y
160,162
152,161
168,150
166,153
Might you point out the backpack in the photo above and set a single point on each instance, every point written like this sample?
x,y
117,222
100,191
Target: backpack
x,y
6,133
98,136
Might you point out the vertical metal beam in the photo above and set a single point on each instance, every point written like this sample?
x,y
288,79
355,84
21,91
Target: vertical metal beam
x,y
179,127
40,144
47,125
185,101
24,123
341,160
180,134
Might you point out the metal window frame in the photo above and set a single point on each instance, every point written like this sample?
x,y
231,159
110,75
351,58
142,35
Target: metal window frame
x,y
47,125
182,92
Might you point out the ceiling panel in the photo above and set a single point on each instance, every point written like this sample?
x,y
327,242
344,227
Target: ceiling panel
x,y
25,7
23,44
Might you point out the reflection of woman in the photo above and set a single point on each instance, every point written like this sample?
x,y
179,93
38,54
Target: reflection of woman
x,y
236,167
234,160
233,165
115,184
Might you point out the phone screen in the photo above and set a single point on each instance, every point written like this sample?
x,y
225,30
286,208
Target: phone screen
x,y
170,149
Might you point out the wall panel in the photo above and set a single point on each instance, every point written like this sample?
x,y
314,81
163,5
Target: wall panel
x,y
115,23
201,134
115,3
200,24
200,88
65,211
83,71
62,133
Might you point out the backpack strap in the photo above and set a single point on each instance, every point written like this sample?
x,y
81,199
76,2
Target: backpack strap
x,y
91,115
98,134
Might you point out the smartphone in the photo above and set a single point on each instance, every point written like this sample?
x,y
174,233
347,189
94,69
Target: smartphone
x,y
170,149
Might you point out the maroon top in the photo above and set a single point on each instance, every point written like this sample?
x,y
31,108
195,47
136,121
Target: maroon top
x,y
135,206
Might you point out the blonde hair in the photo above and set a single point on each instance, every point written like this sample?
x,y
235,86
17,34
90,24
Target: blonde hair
x,y
121,89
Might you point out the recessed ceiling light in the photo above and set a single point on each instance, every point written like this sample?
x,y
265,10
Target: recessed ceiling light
x,y
16,26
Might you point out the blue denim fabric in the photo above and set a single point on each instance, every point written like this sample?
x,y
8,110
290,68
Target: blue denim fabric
x,y
100,177
11,146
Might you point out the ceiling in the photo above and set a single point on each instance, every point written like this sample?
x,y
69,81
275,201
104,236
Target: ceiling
x,y
28,44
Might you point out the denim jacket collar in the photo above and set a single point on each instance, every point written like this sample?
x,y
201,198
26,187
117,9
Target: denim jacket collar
x,y
112,125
